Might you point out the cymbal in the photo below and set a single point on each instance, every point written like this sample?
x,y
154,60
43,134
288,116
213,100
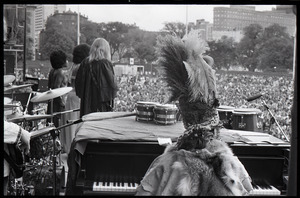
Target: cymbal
x,y
8,103
39,132
8,79
27,117
51,94
12,87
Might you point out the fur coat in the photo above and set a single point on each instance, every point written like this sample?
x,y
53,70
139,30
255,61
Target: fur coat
x,y
212,171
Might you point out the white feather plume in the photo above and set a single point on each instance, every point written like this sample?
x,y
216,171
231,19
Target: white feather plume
x,y
202,83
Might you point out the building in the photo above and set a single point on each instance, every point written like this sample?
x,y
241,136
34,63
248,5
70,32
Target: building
x,y
232,20
14,16
42,12
125,69
204,28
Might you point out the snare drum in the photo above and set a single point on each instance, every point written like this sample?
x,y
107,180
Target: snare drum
x,y
247,119
225,114
165,114
144,110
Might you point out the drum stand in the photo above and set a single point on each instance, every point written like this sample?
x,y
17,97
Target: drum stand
x,y
54,133
266,106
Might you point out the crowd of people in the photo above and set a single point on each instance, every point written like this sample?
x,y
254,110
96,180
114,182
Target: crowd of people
x,y
233,89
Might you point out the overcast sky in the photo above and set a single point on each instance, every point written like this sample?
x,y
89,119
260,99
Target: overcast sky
x,y
150,17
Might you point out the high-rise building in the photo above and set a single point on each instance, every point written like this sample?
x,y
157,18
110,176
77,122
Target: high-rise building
x,y
42,12
67,20
232,20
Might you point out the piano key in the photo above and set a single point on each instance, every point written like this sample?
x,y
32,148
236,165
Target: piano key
x,y
115,186
131,187
258,190
95,186
125,186
275,191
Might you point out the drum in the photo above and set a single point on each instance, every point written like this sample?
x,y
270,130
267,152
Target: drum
x,y
225,114
144,110
165,114
14,111
247,119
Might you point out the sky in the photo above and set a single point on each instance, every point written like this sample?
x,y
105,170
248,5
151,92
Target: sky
x,y
150,17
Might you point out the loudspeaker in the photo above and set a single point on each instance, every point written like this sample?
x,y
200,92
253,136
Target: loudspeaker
x,y
9,64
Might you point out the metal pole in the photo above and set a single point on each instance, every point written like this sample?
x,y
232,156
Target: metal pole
x,y
24,47
186,28
78,27
280,129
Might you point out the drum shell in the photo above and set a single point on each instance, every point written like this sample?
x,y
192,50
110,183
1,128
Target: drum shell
x,y
144,111
247,121
165,114
225,115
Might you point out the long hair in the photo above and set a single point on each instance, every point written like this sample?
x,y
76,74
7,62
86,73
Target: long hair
x,y
100,49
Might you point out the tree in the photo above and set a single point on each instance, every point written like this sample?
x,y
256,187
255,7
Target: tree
x,y
54,38
143,46
223,52
276,52
276,49
175,28
114,33
247,47
275,30
89,32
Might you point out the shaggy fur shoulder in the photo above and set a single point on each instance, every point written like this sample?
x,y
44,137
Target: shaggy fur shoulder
x,y
205,172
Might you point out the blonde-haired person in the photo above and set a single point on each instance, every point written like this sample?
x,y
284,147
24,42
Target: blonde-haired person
x,y
95,81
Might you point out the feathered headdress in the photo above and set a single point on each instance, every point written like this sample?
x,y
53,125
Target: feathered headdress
x,y
191,79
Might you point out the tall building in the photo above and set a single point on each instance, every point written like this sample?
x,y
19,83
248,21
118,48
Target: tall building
x,y
204,28
232,20
68,19
42,12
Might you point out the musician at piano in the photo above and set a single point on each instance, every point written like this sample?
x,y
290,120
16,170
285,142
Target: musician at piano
x,y
67,134
199,163
95,82
57,79
13,134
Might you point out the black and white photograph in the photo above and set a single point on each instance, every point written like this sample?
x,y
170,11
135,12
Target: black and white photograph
x,y
145,99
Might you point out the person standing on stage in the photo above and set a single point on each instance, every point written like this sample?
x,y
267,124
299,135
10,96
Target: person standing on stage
x,y
67,134
95,82
57,79
13,134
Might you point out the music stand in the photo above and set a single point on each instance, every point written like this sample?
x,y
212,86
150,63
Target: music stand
x,y
272,116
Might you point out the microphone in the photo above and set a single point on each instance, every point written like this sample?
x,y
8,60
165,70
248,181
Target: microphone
x,y
254,97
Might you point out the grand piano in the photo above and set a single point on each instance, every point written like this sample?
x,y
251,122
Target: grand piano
x,y
110,157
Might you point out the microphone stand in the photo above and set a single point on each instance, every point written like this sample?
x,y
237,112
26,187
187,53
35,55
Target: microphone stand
x,y
266,106
54,133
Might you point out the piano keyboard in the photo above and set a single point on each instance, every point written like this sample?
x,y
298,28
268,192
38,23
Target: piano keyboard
x,y
262,188
115,186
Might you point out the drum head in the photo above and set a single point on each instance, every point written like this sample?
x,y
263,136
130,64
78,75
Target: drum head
x,y
225,108
245,111
166,106
147,103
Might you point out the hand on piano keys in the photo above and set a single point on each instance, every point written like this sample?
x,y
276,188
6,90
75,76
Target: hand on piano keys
x,y
263,188
115,186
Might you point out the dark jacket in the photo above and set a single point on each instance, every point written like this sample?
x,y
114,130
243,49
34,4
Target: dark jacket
x,y
95,86
56,79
